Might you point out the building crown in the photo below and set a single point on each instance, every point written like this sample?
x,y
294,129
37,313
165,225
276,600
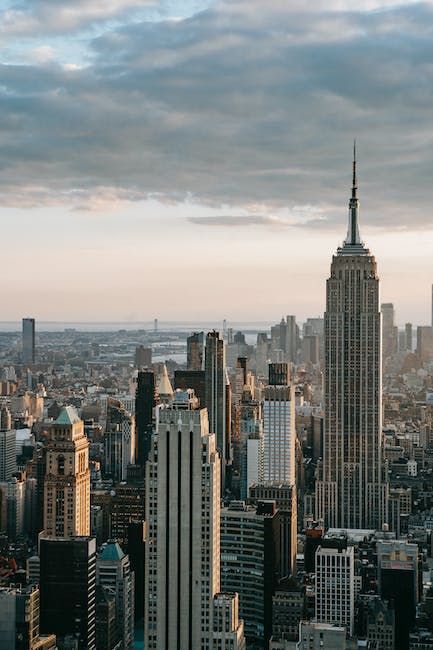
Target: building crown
x,y
352,244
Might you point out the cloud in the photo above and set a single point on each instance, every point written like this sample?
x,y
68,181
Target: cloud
x,y
55,17
301,216
243,104
243,220
43,53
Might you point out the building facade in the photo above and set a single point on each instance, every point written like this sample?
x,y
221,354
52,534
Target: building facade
x,y
8,461
67,586
250,553
335,591
182,563
228,628
145,402
285,498
398,581
119,440
19,620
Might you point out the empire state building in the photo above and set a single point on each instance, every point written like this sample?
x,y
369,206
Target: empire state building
x,y
352,492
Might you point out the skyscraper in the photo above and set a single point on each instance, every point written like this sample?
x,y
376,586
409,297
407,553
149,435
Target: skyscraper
x,y
28,355
424,342
250,443
352,493
389,330
145,401
119,440
217,398
8,461
106,627
14,491
67,478
250,557
142,357
284,496
291,339
195,351
279,426
67,585
408,336
398,580
183,538
113,573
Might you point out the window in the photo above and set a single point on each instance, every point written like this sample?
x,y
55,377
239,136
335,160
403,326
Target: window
x,y
60,465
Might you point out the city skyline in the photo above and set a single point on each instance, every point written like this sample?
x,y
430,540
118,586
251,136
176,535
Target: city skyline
x,y
134,146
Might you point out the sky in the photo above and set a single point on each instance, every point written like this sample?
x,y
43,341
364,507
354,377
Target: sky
x,y
191,159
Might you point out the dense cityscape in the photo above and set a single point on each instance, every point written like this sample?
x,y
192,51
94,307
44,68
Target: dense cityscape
x,y
260,489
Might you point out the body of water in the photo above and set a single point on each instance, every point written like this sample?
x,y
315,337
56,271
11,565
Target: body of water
x,y
163,326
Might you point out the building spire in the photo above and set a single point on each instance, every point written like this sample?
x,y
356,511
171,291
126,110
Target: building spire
x,y
355,180
353,238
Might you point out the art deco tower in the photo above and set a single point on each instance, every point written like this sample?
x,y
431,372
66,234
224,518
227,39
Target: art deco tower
x,y
352,493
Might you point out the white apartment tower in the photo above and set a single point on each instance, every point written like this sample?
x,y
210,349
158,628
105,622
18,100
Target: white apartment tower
x,y
352,493
335,590
279,432
182,556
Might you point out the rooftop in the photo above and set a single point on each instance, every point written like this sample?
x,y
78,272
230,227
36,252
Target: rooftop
x,y
111,552
68,415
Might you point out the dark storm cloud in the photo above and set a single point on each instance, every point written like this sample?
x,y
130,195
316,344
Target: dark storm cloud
x,y
247,104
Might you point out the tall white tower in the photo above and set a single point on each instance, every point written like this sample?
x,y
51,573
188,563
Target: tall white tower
x,y
352,493
279,432
182,557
